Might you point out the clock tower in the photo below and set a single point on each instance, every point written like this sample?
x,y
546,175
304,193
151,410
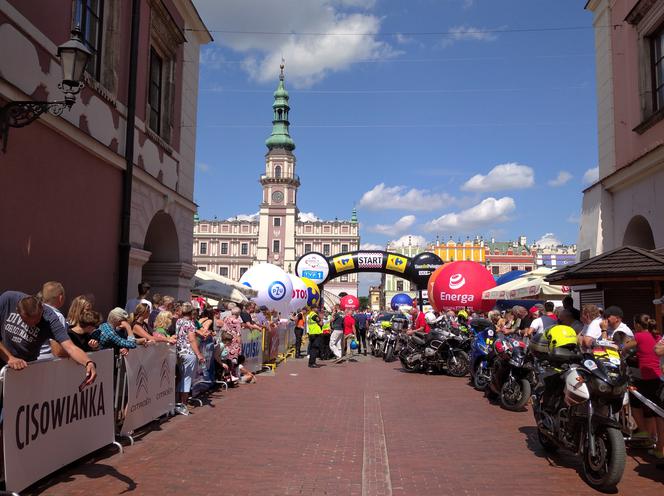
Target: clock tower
x,y
278,209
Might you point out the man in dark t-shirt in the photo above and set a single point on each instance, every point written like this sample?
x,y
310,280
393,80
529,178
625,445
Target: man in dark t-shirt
x,y
247,320
25,324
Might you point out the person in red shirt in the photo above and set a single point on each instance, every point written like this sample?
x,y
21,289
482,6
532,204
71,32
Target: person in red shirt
x,y
644,340
419,322
349,332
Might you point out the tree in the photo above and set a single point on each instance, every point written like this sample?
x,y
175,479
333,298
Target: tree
x,y
364,301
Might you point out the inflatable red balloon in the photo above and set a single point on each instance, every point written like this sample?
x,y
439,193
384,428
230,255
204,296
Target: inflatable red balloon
x,y
349,302
458,285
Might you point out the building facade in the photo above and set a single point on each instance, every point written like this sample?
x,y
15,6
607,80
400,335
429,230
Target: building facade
x,y
624,206
72,167
505,256
455,251
392,284
278,234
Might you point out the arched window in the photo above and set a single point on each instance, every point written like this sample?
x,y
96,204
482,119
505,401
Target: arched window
x,y
279,114
639,233
277,171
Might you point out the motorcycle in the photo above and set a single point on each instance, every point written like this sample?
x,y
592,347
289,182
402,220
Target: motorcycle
x,y
435,351
393,338
376,339
480,368
577,407
512,374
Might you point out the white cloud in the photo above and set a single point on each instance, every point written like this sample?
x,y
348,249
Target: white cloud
x,y
308,217
561,179
309,58
483,215
591,176
371,247
468,3
404,223
203,167
574,219
408,239
502,177
549,240
382,197
246,217
467,33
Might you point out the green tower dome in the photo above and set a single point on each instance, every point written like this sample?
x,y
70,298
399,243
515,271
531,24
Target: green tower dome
x,y
280,138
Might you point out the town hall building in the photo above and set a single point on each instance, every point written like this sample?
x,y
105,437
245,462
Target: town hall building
x,y
279,233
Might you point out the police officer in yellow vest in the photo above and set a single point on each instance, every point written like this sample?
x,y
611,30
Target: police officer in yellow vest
x,y
314,330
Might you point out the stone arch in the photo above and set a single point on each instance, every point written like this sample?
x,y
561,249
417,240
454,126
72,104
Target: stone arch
x,y
162,270
277,172
639,233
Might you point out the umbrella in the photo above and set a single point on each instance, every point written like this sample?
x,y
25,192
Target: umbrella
x,y
222,288
529,285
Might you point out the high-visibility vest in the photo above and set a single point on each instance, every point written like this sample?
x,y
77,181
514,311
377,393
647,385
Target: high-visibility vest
x,y
312,326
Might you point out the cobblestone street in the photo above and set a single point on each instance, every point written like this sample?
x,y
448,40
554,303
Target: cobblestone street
x,y
362,428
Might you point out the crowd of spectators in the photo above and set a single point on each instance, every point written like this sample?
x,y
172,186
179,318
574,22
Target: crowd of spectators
x,y
207,340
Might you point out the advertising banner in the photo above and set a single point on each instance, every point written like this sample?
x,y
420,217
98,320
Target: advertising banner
x,y
252,349
150,385
48,422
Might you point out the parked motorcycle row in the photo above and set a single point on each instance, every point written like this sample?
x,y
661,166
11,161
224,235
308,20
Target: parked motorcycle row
x,y
579,400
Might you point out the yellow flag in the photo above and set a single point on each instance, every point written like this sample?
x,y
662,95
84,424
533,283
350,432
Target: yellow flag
x,y
396,263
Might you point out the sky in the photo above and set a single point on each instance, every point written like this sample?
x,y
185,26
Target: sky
x,y
431,117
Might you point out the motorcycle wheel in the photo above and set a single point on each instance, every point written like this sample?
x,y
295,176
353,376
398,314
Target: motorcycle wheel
x,y
462,365
514,394
479,381
605,469
406,366
548,445
389,354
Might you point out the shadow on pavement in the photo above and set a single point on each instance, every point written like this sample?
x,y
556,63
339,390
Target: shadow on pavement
x,y
560,459
91,470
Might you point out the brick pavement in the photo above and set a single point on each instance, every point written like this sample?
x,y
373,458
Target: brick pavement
x,y
341,430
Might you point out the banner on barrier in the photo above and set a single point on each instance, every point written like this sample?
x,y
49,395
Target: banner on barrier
x,y
48,423
252,349
150,385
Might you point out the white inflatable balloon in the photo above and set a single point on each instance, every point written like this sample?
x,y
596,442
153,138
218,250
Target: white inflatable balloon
x,y
273,285
300,294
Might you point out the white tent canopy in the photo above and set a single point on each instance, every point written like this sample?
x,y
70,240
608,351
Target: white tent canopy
x,y
212,285
528,286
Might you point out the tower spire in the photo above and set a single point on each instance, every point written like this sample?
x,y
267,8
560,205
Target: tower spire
x,y
280,137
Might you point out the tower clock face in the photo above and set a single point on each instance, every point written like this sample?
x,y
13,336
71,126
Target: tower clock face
x,y
277,197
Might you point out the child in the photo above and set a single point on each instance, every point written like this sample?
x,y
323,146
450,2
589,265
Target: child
x,y
246,377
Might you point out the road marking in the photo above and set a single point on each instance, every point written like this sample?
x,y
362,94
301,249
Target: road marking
x,y
375,464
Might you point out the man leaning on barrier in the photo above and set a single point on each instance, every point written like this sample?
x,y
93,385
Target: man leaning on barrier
x,y
25,324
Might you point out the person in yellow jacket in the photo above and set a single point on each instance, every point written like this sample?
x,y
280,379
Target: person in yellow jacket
x,y
314,330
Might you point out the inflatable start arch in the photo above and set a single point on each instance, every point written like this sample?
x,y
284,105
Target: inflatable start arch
x,y
320,269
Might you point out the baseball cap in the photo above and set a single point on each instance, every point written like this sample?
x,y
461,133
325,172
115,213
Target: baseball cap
x,y
537,307
613,311
658,301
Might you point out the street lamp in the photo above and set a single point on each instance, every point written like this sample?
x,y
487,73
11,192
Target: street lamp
x,y
74,56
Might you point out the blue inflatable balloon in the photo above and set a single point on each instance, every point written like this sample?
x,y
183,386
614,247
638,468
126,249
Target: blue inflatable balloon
x,y
400,299
353,345
509,276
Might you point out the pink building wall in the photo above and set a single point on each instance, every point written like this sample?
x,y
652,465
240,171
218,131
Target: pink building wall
x,y
629,145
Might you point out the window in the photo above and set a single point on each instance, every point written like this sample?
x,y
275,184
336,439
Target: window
x,y
243,270
224,249
277,172
344,278
202,267
277,222
344,248
657,67
528,269
276,246
399,285
326,250
155,90
495,270
202,248
223,271
514,267
244,249
307,247
88,16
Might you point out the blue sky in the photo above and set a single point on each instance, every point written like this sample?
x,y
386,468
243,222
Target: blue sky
x,y
437,117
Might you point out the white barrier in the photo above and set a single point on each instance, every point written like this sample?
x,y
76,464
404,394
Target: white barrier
x,y
150,377
252,349
48,423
